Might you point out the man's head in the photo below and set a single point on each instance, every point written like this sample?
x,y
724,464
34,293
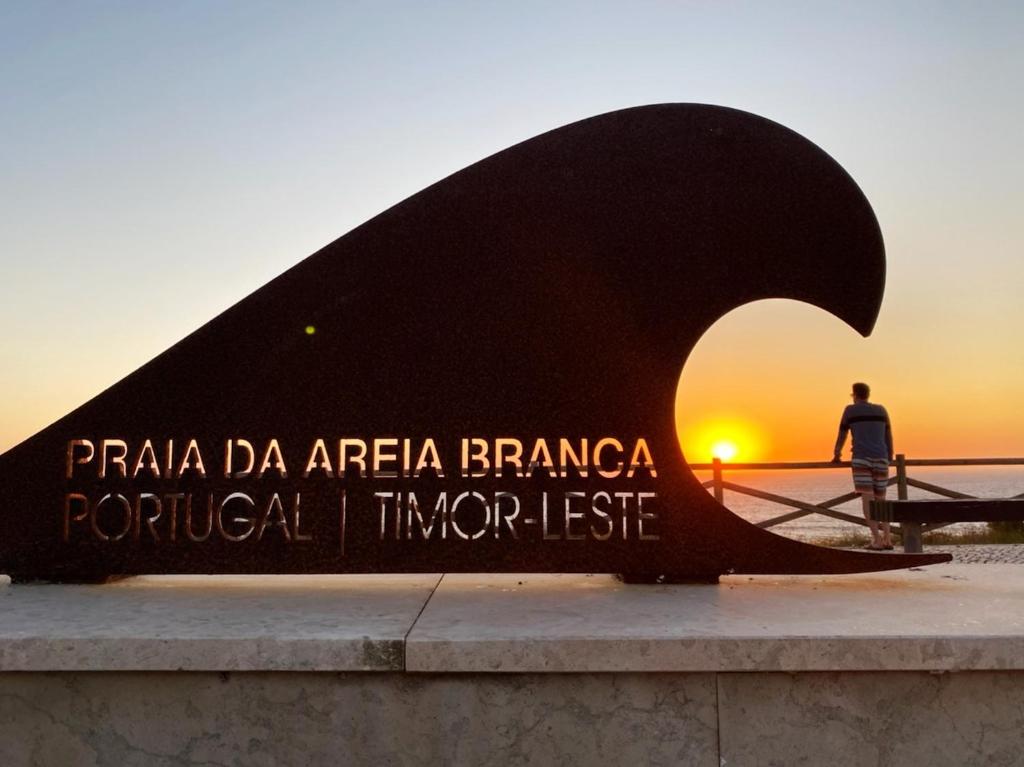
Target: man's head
x,y
861,391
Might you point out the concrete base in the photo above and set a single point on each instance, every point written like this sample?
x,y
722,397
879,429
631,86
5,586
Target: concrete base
x,y
151,720
839,719
870,719
922,667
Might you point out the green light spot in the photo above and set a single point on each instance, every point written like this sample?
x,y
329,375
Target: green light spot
x,y
310,330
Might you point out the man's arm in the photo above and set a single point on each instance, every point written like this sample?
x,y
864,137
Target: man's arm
x,y
844,429
888,436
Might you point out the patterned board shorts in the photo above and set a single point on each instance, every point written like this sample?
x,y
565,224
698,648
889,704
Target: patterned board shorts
x,y
870,474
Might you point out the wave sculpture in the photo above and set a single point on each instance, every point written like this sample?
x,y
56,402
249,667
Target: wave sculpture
x,y
481,378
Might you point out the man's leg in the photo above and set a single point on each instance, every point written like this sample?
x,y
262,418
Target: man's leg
x,y
863,483
880,481
865,500
886,529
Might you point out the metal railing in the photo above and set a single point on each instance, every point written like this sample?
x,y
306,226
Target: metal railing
x,y
718,485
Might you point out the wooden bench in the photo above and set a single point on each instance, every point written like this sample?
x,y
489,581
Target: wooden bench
x,y
918,516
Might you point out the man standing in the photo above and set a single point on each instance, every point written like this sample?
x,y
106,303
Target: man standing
x,y
872,454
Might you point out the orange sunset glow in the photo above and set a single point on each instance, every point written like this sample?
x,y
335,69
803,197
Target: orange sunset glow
x,y
773,377
723,436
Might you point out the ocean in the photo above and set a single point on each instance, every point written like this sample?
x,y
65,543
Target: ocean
x,y
817,485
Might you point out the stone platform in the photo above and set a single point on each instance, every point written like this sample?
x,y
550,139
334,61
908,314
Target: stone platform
x,y
912,667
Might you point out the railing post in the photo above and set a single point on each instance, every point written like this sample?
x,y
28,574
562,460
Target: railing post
x,y
910,531
901,476
716,478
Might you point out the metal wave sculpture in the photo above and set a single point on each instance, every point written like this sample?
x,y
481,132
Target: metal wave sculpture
x,y
482,378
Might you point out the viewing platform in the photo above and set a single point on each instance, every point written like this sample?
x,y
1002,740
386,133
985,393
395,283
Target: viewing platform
x,y
918,666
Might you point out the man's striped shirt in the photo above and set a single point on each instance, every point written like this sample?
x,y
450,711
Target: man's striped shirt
x,y
871,430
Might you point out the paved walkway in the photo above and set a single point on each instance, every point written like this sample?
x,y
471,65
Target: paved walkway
x,y
983,554
979,554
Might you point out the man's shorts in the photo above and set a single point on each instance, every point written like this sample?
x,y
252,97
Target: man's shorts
x,y
870,474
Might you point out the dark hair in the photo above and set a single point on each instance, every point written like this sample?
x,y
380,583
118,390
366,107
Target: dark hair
x,y
861,390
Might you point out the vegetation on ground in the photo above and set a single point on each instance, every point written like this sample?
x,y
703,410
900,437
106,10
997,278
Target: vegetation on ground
x,y
992,533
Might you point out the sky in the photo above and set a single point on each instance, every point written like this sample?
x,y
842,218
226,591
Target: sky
x,y
160,161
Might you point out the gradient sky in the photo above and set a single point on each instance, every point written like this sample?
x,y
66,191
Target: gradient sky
x,y
159,161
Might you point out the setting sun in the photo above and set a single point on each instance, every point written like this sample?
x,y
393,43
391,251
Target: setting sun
x,y
724,450
724,436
